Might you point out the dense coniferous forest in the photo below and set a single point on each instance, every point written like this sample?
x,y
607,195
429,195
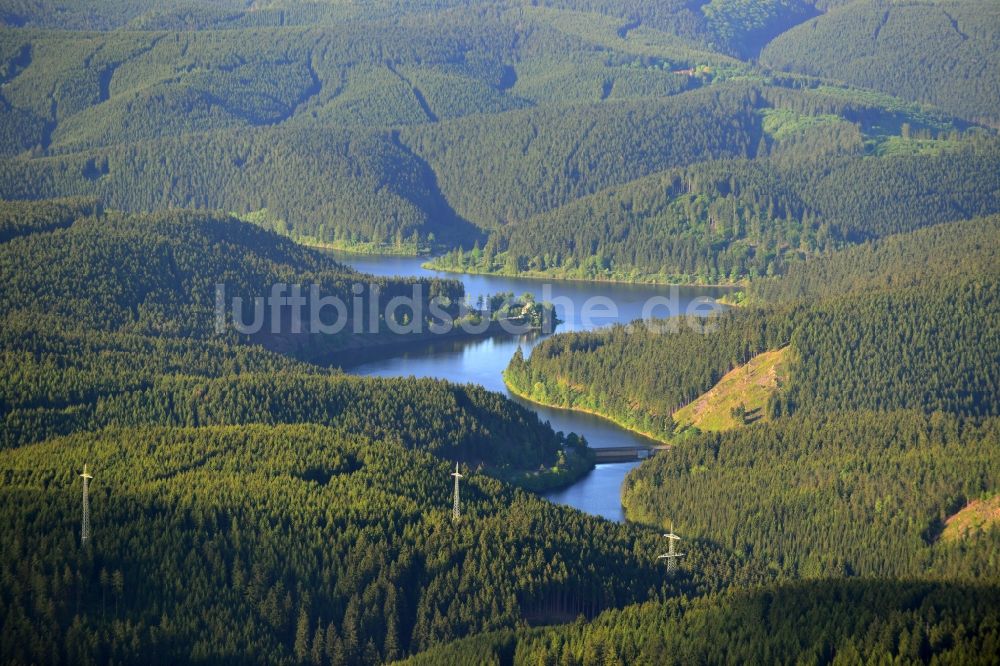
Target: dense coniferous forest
x,y
724,221
117,287
20,218
503,124
825,622
877,327
894,354
170,396
156,274
857,493
275,542
835,161
882,434
943,53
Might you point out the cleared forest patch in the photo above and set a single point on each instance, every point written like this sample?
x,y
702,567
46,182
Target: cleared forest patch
x,y
740,397
977,516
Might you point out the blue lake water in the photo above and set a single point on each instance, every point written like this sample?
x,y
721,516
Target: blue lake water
x,y
582,306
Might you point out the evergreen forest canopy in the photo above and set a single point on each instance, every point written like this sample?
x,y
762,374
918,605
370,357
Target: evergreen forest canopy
x,y
839,159
282,521
929,297
639,140
881,436
824,622
882,433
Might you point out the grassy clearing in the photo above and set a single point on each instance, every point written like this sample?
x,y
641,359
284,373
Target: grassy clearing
x,y
898,145
748,386
783,123
978,516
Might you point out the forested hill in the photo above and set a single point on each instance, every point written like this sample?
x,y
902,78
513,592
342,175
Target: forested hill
x,y
892,373
283,544
857,493
504,170
735,27
156,274
20,218
942,52
109,319
929,297
829,622
724,221
248,506
837,159
941,252
425,126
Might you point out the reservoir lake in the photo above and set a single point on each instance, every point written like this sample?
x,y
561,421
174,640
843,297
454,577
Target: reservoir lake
x,y
581,306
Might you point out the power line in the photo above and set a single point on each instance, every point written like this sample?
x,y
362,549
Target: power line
x,y
85,527
671,556
456,512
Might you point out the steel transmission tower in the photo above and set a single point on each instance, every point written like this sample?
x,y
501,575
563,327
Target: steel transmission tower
x,y
85,528
456,511
671,555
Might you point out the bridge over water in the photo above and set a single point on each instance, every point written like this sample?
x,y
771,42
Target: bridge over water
x,y
613,454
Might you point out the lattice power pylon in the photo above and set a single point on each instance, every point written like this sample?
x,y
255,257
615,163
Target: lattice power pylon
x,y
671,556
456,511
85,527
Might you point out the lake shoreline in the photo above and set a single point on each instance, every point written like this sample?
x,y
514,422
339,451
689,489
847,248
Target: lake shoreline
x,y
361,348
529,275
482,361
363,249
584,410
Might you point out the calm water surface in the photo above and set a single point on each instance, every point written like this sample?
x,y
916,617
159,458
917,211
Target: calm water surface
x,y
482,361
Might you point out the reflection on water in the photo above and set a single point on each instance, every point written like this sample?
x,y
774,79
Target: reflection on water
x,y
598,493
481,361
